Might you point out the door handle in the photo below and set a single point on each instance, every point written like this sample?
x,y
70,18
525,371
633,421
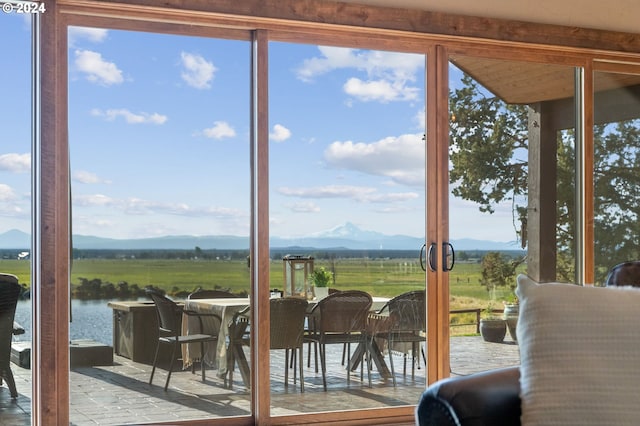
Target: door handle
x,y
448,256
431,257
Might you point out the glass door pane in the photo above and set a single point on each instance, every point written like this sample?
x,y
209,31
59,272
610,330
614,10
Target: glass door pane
x,y
616,170
160,183
347,197
512,197
15,206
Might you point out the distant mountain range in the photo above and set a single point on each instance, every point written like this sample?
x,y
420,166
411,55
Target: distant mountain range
x,y
346,236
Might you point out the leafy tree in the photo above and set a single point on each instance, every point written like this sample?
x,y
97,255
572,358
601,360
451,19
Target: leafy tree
x,y
498,271
488,151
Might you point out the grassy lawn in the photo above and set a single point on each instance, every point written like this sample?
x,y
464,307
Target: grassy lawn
x,y
379,277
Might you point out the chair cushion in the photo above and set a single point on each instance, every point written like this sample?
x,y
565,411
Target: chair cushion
x,y
580,354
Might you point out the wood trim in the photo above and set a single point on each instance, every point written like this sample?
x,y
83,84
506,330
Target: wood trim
x,y
175,28
432,188
324,12
442,187
616,66
588,232
51,328
260,336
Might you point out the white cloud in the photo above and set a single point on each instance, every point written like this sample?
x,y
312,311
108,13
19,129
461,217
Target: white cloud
x,y
304,207
379,90
130,117
332,58
141,206
198,72
94,35
6,193
421,119
279,133
220,129
357,193
389,74
400,158
15,163
97,70
329,191
11,205
93,200
82,176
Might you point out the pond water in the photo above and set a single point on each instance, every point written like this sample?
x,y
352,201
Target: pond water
x,y
91,319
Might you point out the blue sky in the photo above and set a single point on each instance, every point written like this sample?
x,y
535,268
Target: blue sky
x,y
159,138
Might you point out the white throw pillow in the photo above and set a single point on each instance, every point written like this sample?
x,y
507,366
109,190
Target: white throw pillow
x,y
580,354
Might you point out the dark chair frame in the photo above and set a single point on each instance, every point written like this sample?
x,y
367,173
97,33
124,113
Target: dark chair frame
x,y
169,315
403,320
10,291
340,318
287,318
239,336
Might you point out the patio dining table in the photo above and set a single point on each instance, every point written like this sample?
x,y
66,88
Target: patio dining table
x,y
216,353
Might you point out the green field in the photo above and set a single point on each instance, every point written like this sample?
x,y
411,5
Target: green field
x,y
379,277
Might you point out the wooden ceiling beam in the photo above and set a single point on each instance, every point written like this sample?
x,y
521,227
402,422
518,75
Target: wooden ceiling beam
x,y
325,12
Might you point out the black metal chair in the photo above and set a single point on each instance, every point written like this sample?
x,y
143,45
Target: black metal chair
x,y
339,318
169,315
624,274
403,320
9,292
287,332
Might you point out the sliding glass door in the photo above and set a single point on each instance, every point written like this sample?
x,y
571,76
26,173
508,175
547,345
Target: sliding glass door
x,y
15,207
160,182
512,202
347,213
616,167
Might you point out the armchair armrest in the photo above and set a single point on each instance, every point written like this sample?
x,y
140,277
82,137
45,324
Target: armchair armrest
x,y
481,399
200,315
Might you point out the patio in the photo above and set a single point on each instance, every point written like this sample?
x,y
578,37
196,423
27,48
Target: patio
x,y
120,394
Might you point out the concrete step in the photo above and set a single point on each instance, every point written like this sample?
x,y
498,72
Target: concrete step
x,y
82,353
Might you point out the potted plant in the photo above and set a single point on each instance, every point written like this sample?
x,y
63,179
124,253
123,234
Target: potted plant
x,y
493,328
320,279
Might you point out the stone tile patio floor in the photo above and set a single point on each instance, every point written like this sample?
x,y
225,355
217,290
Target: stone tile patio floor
x,y
120,394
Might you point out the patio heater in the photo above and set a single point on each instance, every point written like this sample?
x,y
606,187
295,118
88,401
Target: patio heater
x,y
297,270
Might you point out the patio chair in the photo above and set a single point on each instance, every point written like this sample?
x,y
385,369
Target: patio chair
x,y
339,318
169,315
624,274
211,294
346,347
287,332
9,292
239,336
402,320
